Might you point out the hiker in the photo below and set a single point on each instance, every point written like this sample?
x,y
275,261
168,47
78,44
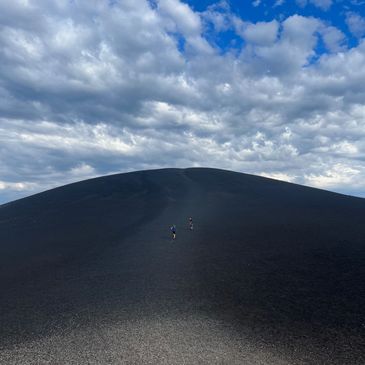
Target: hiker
x,y
173,231
191,225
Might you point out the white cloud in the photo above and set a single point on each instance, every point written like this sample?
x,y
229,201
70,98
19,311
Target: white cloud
x,y
261,33
333,38
183,18
279,3
356,24
83,170
278,176
293,49
219,15
335,176
88,89
299,30
322,4
17,186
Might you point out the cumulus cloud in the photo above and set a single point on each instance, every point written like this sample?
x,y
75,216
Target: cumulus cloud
x,y
289,54
219,15
322,4
89,88
337,174
279,3
261,33
356,24
333,38
181,16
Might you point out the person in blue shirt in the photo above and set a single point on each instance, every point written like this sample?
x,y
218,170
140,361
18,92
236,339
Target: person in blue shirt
x,y
173,231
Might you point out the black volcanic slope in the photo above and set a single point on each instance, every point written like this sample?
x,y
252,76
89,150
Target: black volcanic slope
x,y
273,273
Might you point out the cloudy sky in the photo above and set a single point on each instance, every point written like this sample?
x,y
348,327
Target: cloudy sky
x,y
94,87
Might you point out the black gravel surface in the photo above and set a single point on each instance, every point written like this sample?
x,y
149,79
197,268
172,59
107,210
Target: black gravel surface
x,y
273,273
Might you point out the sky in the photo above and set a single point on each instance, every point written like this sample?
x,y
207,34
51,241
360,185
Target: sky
x,y
94,87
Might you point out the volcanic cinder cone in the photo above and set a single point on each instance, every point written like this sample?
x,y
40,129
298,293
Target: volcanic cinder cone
x,y
273,273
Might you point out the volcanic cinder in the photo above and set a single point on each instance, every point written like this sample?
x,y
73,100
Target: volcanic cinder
x,y
273,273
